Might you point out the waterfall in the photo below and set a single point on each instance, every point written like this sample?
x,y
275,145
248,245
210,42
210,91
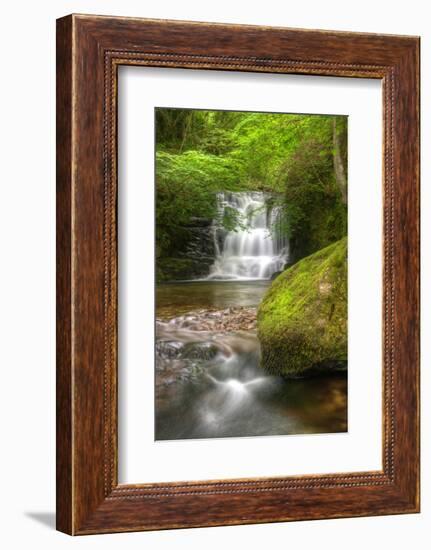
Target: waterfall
x,y
252,251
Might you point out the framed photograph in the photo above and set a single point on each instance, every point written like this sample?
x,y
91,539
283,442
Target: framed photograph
x,y
237,274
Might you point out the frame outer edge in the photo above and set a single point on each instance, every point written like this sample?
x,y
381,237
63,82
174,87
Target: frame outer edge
x,y
81,508
407,274
64,367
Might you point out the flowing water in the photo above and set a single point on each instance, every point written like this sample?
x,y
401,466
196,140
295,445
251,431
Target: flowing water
x,y
209,383
208,379
251,251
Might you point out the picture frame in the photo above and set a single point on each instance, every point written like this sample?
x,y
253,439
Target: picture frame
x,y
89,51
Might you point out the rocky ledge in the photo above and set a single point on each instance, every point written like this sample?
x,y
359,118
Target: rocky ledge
x,y
226,320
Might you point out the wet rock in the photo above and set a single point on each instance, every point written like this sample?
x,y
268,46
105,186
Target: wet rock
x,y
168,350
196,266
275,275
204,351
193,256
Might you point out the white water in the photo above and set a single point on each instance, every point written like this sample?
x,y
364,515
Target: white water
x,y
251,252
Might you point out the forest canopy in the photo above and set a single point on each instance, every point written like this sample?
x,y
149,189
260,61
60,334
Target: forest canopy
x,y
300,159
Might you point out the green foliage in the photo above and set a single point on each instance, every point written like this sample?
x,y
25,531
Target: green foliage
x,y
313,202
200,153
231,219
187,185
302,320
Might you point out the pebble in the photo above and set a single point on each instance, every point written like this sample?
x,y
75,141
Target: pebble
x,y
229,319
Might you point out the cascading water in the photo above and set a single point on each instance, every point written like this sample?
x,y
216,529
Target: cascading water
x,y
252,251
208,378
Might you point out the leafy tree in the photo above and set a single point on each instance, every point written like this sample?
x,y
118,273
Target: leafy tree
x,y
300,159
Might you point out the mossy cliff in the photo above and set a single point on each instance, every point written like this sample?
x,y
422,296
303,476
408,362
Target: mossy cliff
x,y
302,320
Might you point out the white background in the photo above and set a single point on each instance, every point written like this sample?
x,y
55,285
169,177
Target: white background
x,y
27,125
141,458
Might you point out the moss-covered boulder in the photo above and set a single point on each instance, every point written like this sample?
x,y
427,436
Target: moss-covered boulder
x,y
302,320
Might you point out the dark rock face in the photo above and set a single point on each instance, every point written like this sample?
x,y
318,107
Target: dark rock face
x,y
182,269
275,275
200,222
194,255
200,244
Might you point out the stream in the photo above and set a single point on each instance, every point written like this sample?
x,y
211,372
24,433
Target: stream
x,y
208,379
209,383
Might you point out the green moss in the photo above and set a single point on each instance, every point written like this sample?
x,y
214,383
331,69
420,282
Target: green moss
x,y
302,320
